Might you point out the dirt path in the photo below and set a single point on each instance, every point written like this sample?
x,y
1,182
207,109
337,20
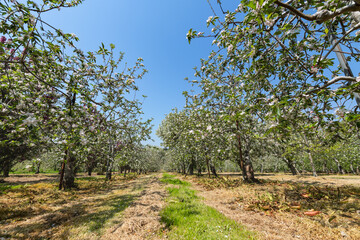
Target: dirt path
x,y
278,226
141,220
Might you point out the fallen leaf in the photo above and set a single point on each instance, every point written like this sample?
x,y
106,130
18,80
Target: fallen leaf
x,y
312,213
267,207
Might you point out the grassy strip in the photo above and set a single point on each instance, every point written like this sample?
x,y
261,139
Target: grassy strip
x,y
170,179
187,218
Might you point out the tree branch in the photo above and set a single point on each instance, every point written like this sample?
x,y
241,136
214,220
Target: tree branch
x,y
323,15
332,81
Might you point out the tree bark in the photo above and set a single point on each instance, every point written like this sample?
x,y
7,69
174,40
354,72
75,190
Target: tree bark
x,y
191,167
352,168
213,170
108,171
244,162
291,166
250,177
69,175
312,164
6,168
37,168
62,172
208,165
340,168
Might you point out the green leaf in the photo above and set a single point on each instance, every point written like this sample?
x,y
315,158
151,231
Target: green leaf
x,y
252,5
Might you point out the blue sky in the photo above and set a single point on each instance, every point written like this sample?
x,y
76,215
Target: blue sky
x,y
154,30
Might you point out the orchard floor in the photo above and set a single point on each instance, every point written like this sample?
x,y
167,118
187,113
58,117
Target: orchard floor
x,y
276,208
31,207
322,179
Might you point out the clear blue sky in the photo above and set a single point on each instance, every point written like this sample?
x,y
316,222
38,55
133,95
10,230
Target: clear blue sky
x,y
154,30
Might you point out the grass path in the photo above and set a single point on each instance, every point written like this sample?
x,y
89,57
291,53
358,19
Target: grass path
x,y
186,217
142,220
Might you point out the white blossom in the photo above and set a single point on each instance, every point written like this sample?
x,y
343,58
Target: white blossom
x,y
230,48
30,121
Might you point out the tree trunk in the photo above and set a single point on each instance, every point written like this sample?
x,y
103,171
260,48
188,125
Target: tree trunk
x,y
340,168
291,166
208,165
37,168
191,167
89,169
69,176
6,168
62,172
108,174
109,171
250,177
312,164
244,162
352,168
310,156
213,170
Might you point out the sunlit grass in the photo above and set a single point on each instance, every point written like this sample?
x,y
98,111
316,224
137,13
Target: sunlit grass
x,y
187,218
84,212
170,179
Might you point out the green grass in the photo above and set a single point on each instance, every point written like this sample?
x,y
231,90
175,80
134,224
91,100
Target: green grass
x,y
4,187
24,171
187,218
170,179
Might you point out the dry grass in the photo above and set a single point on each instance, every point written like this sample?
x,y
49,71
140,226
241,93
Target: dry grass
x,y
324,180
142,220
276,208
40,211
